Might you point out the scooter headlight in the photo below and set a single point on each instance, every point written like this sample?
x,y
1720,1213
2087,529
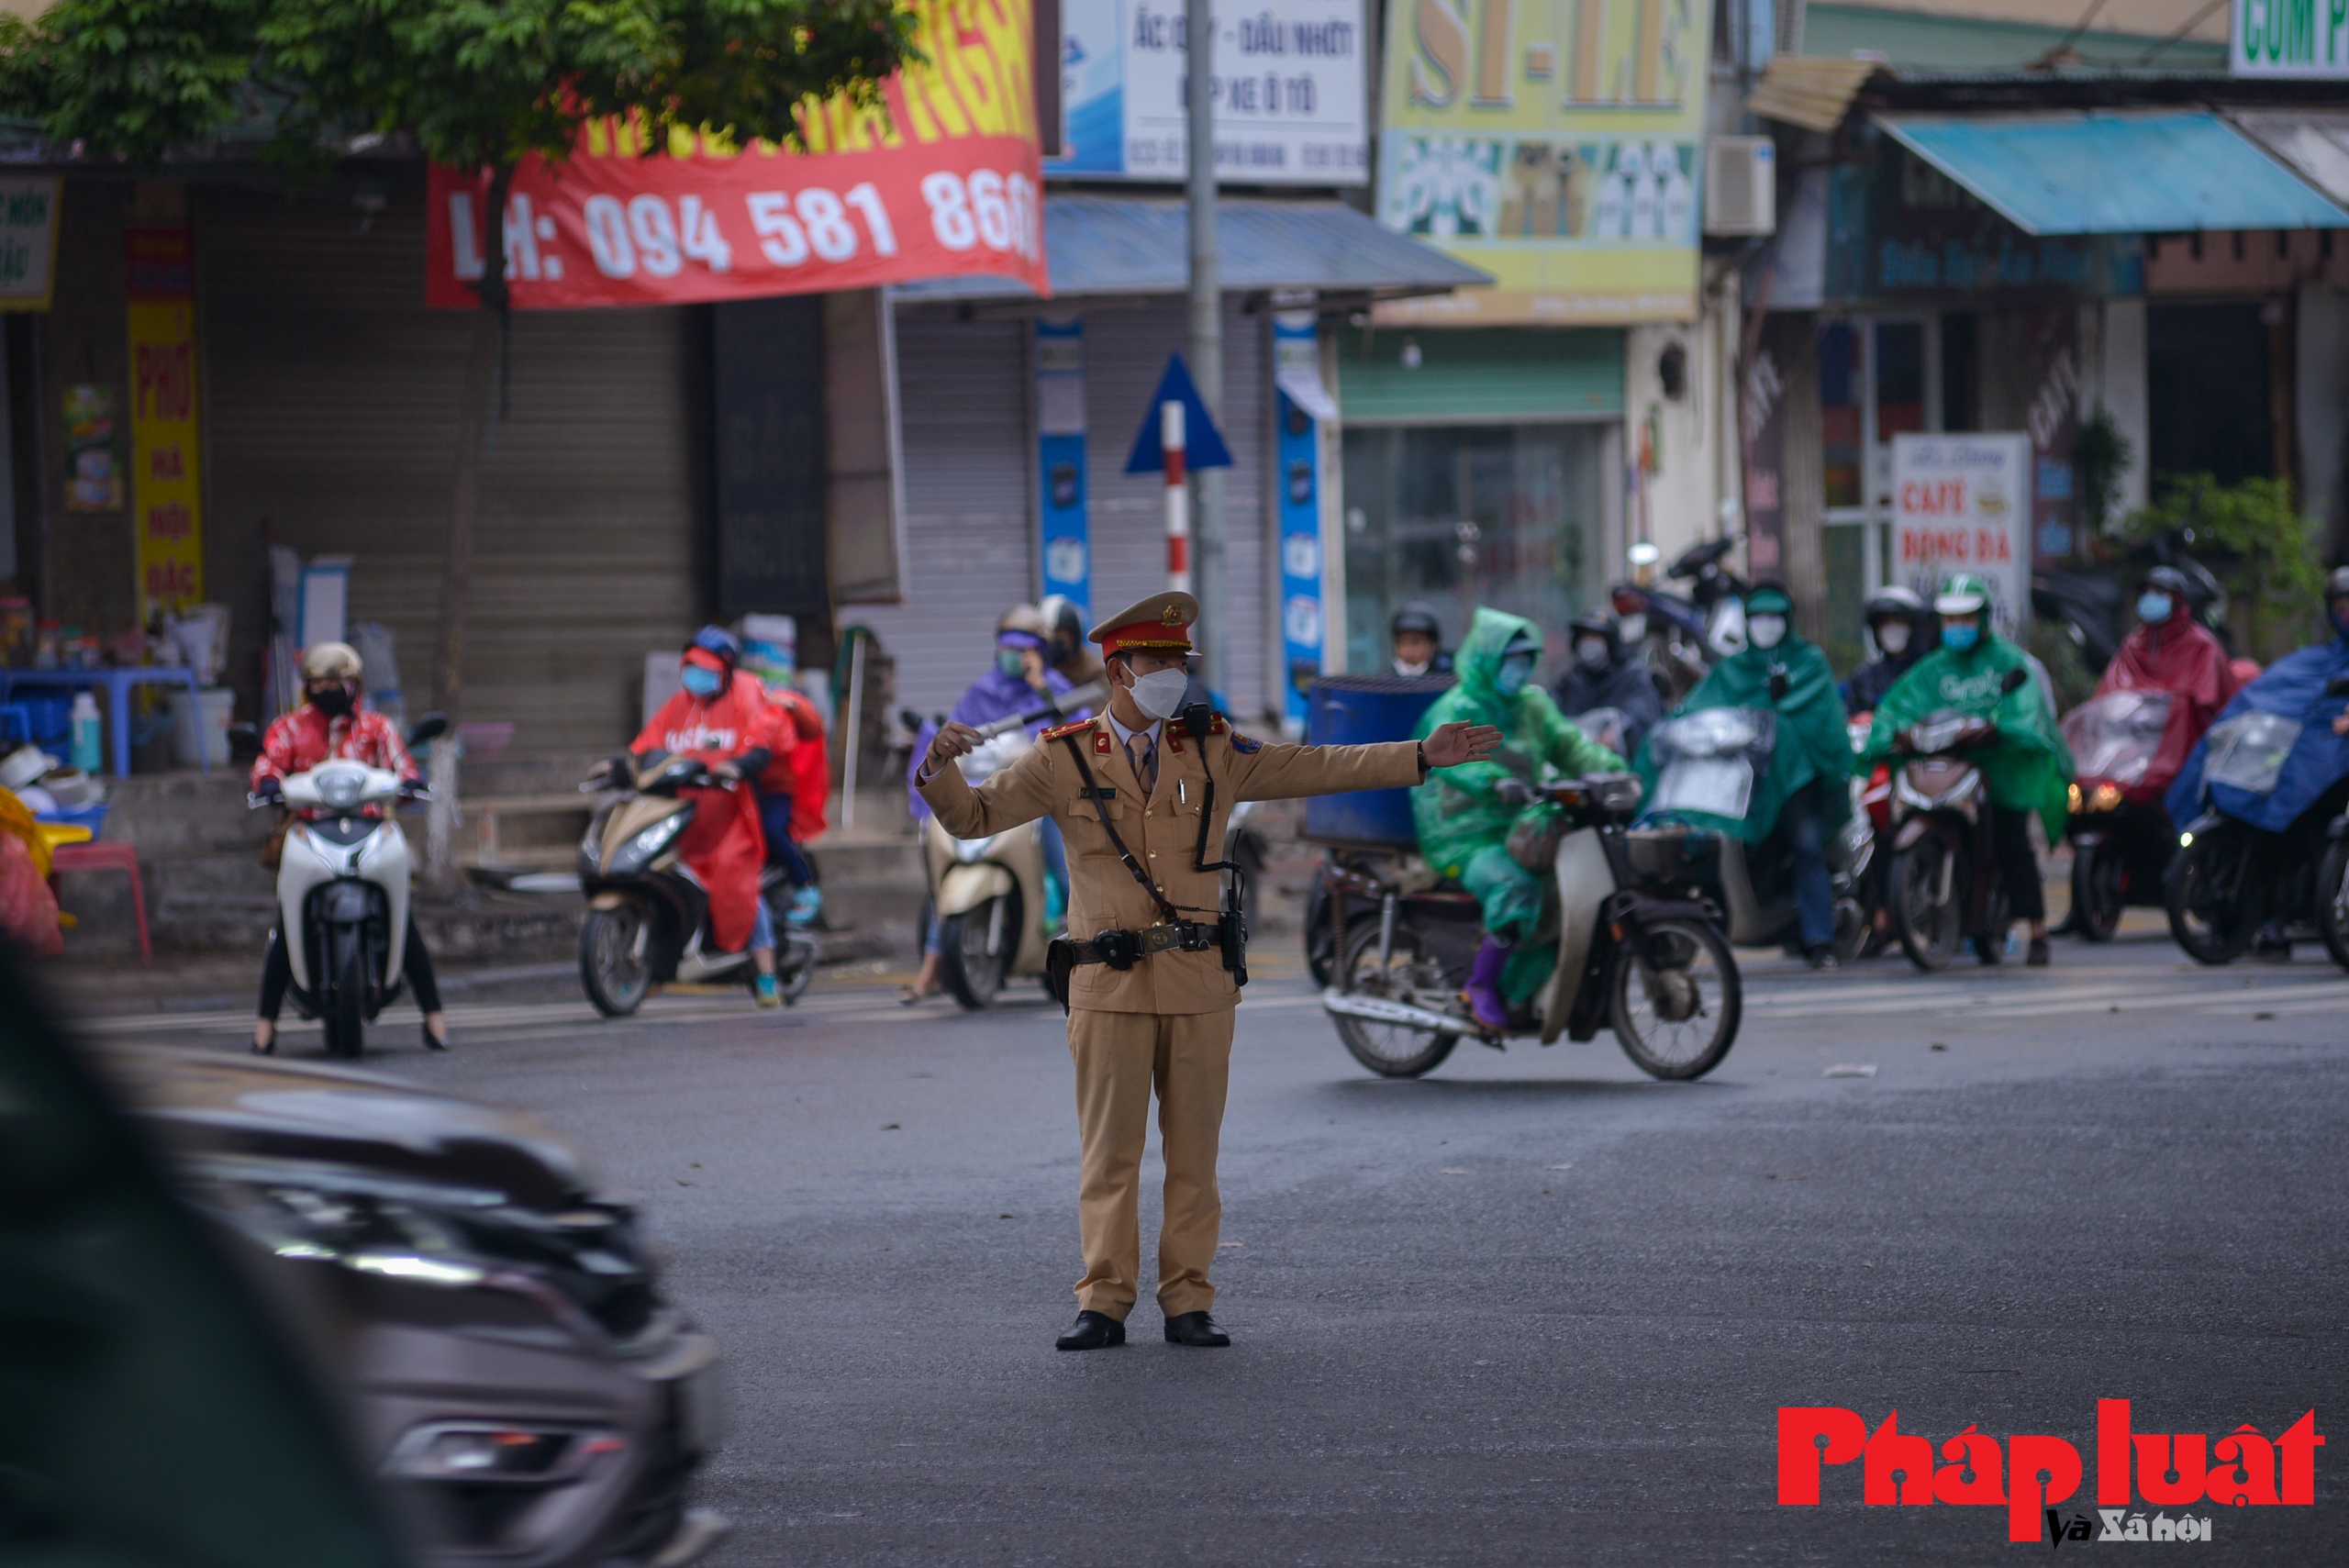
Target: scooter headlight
x,y
970,851
341,787
646,844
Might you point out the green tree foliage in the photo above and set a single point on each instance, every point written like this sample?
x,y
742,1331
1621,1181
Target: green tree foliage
x,y
2102,456
2254,540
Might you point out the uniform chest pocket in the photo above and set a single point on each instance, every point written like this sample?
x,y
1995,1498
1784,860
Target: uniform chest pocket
x,y
1082,815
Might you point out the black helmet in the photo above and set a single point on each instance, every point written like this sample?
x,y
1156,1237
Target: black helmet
x,y
2172,582
1597,623
1060,615
1415,616
1894,600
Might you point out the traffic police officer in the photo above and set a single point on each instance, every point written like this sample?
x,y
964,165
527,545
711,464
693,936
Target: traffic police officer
x,y
1142,800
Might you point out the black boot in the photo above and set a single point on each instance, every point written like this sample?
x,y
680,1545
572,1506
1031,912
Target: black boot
x,y
1195,1329
1094,1331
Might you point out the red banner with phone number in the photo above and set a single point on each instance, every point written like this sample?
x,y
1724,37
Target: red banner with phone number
x,y
946,182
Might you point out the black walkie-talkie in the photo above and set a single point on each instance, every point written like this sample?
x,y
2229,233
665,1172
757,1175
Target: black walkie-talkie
x,y
1232,929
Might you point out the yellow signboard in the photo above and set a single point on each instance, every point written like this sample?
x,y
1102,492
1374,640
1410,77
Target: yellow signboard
x,y
1557,144
166,485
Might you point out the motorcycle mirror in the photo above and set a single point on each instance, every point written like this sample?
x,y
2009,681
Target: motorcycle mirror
x,y
244,740
2337,687
2015,678
430,727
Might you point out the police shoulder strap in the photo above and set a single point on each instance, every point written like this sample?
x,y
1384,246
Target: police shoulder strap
x,y
1166,911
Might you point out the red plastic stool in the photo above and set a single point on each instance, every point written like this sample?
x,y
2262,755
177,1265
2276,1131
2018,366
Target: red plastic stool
x,y
106,856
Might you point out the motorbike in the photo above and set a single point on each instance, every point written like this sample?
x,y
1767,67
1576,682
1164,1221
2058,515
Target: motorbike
x,y
2121,837
647,914
1944,878
988,895
1708,762
1636,951
2230,877
342,891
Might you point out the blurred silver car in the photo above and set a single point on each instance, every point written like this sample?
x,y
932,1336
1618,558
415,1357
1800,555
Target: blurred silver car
x,y
491,1313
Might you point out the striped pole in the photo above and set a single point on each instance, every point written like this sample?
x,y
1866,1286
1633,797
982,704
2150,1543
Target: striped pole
x,y
1178,511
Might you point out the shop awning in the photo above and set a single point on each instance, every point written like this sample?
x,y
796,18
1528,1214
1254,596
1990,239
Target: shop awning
x,y
2110,173
2313,141
1129,245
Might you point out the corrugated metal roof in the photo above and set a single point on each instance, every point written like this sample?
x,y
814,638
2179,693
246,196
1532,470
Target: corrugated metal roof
x,y
2313,141
1129,245
2111,173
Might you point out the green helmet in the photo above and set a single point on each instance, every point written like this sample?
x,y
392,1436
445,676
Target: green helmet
x,y
1962,594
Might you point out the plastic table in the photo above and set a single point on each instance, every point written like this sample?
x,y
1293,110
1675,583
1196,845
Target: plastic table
x,y
117,683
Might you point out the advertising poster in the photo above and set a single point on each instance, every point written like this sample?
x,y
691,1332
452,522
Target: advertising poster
x,y
1558,148
1290,84
1964,504
1304,404
93,457
166,486
27,243
1065,536
946,182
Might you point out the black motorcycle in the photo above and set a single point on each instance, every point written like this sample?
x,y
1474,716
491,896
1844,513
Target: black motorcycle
x,y
2121,835
1944,883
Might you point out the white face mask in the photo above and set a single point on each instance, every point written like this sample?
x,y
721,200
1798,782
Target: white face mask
x,y
1419,668
1634,628
1592,652
1766,631
1160,693
1893,636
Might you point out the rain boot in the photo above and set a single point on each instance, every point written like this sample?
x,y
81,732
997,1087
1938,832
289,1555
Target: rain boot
x,y
1484,998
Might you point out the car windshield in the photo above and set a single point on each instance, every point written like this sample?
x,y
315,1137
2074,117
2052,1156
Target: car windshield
x,y
2114,736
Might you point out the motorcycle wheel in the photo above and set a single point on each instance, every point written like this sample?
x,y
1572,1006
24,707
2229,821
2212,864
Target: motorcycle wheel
x,y
1320,942
2212,915
1990,943
1413,975
2332,901
1929,920
1675,999
797,968
346,1015
2097,897
972,975
612,960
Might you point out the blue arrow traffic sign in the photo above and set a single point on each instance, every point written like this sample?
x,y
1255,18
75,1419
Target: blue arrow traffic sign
x,y
1202,442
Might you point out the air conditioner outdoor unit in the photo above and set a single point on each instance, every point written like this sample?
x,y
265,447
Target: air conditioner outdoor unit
x,y
1741,185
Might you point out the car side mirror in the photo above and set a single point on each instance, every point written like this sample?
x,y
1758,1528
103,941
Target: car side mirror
x,y
2337,687
2015,678
426,730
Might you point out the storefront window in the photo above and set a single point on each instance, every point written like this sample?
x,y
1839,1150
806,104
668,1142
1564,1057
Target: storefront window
x,y
1461,516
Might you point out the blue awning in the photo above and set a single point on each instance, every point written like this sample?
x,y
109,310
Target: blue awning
x,y
2115,173
1109,245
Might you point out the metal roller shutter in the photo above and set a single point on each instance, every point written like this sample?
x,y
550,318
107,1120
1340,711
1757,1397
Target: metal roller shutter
x,y
963,401
328,404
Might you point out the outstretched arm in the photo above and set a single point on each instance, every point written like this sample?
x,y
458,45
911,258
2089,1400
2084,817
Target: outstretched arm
x,y
1281,771
1020,793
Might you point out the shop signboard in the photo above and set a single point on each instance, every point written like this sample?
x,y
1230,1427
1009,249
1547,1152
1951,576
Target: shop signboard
x,y
1964,504
945,181
2308,40
27,243
166,482
1558,148
1290,86
1305,405
2053,420
1065,530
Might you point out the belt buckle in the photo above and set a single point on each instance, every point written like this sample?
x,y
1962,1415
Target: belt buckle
x,y
1161,936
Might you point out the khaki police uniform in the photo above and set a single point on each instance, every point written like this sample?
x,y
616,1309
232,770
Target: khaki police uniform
x,y
1164,1026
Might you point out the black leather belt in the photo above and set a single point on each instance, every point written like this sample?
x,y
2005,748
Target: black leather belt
x,y
1123,950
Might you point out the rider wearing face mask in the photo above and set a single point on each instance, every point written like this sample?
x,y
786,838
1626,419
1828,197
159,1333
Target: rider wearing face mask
x,y
721,716
1464,815
1608,673
1898,622
2170,651
1804,799
1065,648
331,725
1417,635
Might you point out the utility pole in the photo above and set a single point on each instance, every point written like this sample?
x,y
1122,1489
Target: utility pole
x,y
1206,344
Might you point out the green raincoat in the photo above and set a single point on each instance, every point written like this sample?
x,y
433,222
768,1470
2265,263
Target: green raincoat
x,y
2030,768
1812,742
1464,828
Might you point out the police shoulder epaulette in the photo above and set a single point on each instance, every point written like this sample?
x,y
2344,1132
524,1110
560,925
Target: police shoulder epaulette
x,y
1054,734
1215,725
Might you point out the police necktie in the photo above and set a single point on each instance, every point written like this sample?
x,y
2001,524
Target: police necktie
x,y
1145,760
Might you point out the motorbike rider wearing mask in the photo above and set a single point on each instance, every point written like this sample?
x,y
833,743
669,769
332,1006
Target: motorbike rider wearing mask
x,y
2028,767
1897,621
1464,815
721,717
1020,678
2170,651
1608,673
1065,648
330,725
1804,798
1417,635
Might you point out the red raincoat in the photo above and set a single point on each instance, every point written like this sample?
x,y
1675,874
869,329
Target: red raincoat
x,y
725,846
2179,656
802,767
300,740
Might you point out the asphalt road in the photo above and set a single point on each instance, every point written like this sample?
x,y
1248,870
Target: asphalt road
x,y
1532,1309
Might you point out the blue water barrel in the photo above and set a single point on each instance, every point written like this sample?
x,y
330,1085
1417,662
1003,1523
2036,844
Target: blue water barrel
x,y
1355,710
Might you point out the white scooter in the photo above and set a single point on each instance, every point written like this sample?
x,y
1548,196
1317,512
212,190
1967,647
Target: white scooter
x,y
342,891
988,894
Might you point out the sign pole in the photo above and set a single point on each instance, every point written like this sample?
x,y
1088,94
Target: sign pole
x,y
1206,328
1178,511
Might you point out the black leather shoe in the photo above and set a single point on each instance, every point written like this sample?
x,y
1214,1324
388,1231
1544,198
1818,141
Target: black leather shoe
x,y
1094,1331
434,1042
1195,1329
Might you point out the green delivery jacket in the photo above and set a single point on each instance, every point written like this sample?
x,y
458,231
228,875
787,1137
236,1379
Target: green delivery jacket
x,y
2028,768
1812,739
1455,809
